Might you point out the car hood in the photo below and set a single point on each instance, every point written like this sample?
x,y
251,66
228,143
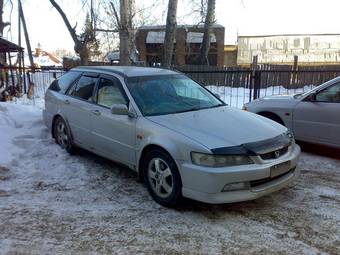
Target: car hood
x,y
221,126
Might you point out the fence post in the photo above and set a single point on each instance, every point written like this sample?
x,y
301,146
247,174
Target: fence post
x,y
30,92
257,84
253,77
295,68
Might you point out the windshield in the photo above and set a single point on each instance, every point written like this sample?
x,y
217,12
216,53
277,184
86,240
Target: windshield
x,y
166,94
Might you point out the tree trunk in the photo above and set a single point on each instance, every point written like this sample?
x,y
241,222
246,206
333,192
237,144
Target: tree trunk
x,y
170,33
84,55
83,52
209,21
2,27
125,32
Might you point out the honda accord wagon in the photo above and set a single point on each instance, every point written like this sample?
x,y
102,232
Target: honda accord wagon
x,y
181,139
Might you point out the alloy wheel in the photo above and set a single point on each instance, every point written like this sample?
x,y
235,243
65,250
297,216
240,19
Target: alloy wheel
x,y
61,134
160,177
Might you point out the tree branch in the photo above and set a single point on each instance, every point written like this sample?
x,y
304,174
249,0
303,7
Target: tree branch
x,y
106,30
67,23
115,14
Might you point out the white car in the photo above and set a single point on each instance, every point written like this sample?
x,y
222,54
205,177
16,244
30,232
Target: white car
x,y
313,116
179,137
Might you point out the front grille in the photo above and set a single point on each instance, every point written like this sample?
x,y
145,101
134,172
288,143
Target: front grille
x,y
269,179
274,154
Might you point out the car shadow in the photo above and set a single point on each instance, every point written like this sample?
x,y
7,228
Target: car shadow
x,y
112,166
320,150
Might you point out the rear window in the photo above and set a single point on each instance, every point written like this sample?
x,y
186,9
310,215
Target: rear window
x,y
64,82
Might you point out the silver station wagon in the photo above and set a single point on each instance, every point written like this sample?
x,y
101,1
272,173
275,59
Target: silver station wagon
x,y
180,138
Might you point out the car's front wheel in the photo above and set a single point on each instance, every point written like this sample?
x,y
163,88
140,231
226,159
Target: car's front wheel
x,y
162,178
62,135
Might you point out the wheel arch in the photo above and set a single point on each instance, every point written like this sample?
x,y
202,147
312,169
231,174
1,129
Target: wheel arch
x,y
273,116
145,151
55,117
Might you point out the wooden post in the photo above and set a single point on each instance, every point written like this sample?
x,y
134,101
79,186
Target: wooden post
x,y
11,68
23,64
20,56
30,92
29,50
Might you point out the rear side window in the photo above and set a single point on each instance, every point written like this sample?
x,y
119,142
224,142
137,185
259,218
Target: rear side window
x,y
64,82
110,92
84,88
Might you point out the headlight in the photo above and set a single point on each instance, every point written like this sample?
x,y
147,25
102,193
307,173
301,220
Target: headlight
x,y
211,160
289,134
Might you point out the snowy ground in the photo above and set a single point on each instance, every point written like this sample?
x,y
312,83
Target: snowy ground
x,y
51,203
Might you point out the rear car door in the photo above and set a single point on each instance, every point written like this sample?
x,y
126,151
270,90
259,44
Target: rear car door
x,y
319,120
114,135
77,108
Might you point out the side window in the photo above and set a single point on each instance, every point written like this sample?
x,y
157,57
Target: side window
x,y
110,92
330,94
84,88
64,82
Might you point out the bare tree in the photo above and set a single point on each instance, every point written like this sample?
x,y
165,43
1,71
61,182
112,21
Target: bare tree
x,y
209,21
2,23
170,33
84,41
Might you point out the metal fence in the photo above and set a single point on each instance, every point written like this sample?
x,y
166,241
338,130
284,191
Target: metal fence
x,y
235,86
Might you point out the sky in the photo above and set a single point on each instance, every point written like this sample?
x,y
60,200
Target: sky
x,y
247,17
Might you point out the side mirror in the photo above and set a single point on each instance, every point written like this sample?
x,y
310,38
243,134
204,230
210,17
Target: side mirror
x,y
312,97
122,109
119,109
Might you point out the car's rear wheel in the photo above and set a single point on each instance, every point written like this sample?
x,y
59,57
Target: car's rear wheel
x,y
162,178
62,135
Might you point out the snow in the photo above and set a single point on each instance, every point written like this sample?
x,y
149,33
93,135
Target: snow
x,y
237,97
196,37
54,203
155,37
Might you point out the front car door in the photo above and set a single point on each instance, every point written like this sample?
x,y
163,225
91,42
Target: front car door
x,y
318,119
114,135
77,107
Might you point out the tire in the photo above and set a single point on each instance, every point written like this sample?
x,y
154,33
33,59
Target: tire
x,y
162,178
62,135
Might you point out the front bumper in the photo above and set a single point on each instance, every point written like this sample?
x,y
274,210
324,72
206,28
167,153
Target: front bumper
x,y
206,184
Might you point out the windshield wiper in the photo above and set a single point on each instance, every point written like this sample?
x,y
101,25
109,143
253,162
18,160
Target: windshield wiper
x,y
199,108
188,110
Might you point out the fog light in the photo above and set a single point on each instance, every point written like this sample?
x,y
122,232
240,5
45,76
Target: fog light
x,y
236,186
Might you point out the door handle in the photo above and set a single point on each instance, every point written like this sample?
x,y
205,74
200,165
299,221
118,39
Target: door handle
x,y
96,112
66,102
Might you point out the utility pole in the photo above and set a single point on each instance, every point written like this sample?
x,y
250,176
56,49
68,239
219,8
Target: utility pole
x,y
22,17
